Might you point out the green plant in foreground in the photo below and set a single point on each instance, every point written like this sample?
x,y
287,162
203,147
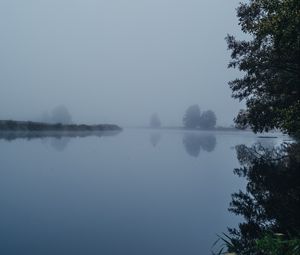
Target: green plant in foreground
x,y
226,245
268,244
276,244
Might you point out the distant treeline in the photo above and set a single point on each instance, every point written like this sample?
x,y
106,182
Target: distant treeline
x,y
25,126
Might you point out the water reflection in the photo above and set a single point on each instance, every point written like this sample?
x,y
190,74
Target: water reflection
x,y
58,140
155,138
270,204
60,144
194,142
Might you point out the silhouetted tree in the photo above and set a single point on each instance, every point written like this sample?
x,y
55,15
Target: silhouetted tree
x,y
270,63
208,120
60,114
155,121
191,118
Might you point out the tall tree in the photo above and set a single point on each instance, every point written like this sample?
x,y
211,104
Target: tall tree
x,y
269,61
60,114
192,115
208,120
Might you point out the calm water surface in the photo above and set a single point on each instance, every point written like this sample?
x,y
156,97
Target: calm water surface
x,y
139,192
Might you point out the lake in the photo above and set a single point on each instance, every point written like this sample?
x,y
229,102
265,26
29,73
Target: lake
x,y
138,192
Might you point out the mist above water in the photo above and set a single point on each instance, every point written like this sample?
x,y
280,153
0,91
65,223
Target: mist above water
x,y
115,61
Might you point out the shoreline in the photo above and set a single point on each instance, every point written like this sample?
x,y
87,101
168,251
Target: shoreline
x,y
30,126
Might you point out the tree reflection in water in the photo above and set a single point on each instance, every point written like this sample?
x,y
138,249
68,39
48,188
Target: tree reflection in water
x,y
271,203
155,138
59,140
193,142
60,144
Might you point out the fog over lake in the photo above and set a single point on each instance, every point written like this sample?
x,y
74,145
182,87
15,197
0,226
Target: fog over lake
x,y
116,61
125,127
136,192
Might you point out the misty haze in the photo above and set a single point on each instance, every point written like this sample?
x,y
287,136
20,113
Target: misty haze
x,y
123,131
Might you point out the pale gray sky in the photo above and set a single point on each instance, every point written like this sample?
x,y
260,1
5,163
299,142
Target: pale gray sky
x,y
116,61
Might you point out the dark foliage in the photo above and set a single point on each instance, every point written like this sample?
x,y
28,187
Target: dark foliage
x,y
194,119
208,120
270,204
26,126
192,116
270,63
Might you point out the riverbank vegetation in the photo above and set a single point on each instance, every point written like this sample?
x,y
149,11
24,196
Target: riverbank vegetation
x,y
29,126
269,61
270,87
269,205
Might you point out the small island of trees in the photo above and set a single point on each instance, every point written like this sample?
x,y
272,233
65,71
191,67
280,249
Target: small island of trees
x,y
194,119
60,120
